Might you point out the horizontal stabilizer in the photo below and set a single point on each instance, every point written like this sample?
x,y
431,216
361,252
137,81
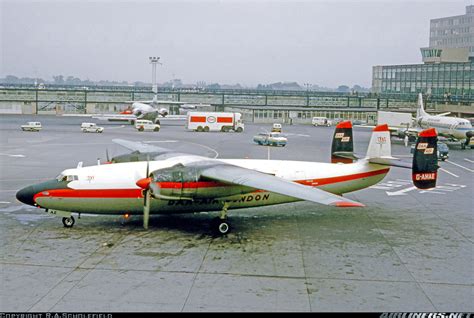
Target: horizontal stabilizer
x,y
391,161
346,155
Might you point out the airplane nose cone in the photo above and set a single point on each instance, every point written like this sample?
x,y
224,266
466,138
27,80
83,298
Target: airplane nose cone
x,y
25,195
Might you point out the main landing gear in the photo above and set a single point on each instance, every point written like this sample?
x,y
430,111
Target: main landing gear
x,y
220,225
69,221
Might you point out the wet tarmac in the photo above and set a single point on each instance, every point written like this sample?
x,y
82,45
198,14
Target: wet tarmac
x,y
408,250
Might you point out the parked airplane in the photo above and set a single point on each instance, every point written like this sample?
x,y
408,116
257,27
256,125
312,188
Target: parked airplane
x,y
181,183
149,110
453,128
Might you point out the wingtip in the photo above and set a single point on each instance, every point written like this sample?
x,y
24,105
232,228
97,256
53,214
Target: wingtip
x,y
347,204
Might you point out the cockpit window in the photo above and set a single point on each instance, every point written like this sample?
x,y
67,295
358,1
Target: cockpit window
x,y
68,178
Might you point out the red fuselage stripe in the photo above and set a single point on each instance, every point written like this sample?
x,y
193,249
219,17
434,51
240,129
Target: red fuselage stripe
x,y
137,193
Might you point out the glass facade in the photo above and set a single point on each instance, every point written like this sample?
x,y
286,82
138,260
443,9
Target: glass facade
x,y
455,79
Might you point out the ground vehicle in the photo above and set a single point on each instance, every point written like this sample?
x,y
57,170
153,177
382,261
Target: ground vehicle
x,y
276,127
144,124
91,127
320,121
270,139
214,121
443,150
32,126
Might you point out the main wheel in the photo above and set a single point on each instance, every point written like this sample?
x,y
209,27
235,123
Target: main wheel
x,y
199,129
220,226
69,222
206,129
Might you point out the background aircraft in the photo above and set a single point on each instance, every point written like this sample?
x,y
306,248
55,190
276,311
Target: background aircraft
x,y
452,128
150,110
181,183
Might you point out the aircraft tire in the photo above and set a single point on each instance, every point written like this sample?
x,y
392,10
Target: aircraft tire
x,y
199,129
69,222
206,129
220,227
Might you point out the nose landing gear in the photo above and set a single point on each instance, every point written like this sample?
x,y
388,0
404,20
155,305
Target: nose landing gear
x,y
69,221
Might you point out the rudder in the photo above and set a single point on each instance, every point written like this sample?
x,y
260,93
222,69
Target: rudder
x,y
425,160
342,149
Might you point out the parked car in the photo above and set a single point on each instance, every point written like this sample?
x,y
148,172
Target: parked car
x,y
443,150
270,139
32,126
91,127
142,125
276,127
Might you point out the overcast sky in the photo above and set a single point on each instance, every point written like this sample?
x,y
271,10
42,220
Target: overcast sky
x,y
328,43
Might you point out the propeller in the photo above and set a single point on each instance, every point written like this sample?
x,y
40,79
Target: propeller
x,y
145,184
107,155
147,198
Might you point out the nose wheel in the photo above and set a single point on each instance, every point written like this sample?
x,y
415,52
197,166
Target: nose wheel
x,y
69,221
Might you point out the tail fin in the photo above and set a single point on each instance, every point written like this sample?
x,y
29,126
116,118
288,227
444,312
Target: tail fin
x,y
425,160
379,145
342,149
420,110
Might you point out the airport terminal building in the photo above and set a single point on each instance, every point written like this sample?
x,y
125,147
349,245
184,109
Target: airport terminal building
x,y
448,63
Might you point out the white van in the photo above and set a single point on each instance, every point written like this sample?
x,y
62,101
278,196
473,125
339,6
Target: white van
x,y
143,124
32,126
321,121
91,127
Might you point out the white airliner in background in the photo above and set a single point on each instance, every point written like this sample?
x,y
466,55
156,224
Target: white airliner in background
x,y
149,110
453,128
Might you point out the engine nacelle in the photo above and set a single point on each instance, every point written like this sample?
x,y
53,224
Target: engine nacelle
x,y
163,112
185,183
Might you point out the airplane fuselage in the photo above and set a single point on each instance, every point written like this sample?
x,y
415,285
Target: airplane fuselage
x,y
450,127
112,188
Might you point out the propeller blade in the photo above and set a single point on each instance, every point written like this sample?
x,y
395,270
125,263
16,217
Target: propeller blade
x,y
147,166
107,154
146,209
147,198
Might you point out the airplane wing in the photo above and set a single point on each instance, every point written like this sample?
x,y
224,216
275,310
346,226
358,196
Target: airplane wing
x,y
258,180
139,146
115,117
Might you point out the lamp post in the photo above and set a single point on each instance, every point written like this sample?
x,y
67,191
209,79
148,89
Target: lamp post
x,y
153,61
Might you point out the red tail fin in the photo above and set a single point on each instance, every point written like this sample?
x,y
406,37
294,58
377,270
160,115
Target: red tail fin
x,y
425,160
342,144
